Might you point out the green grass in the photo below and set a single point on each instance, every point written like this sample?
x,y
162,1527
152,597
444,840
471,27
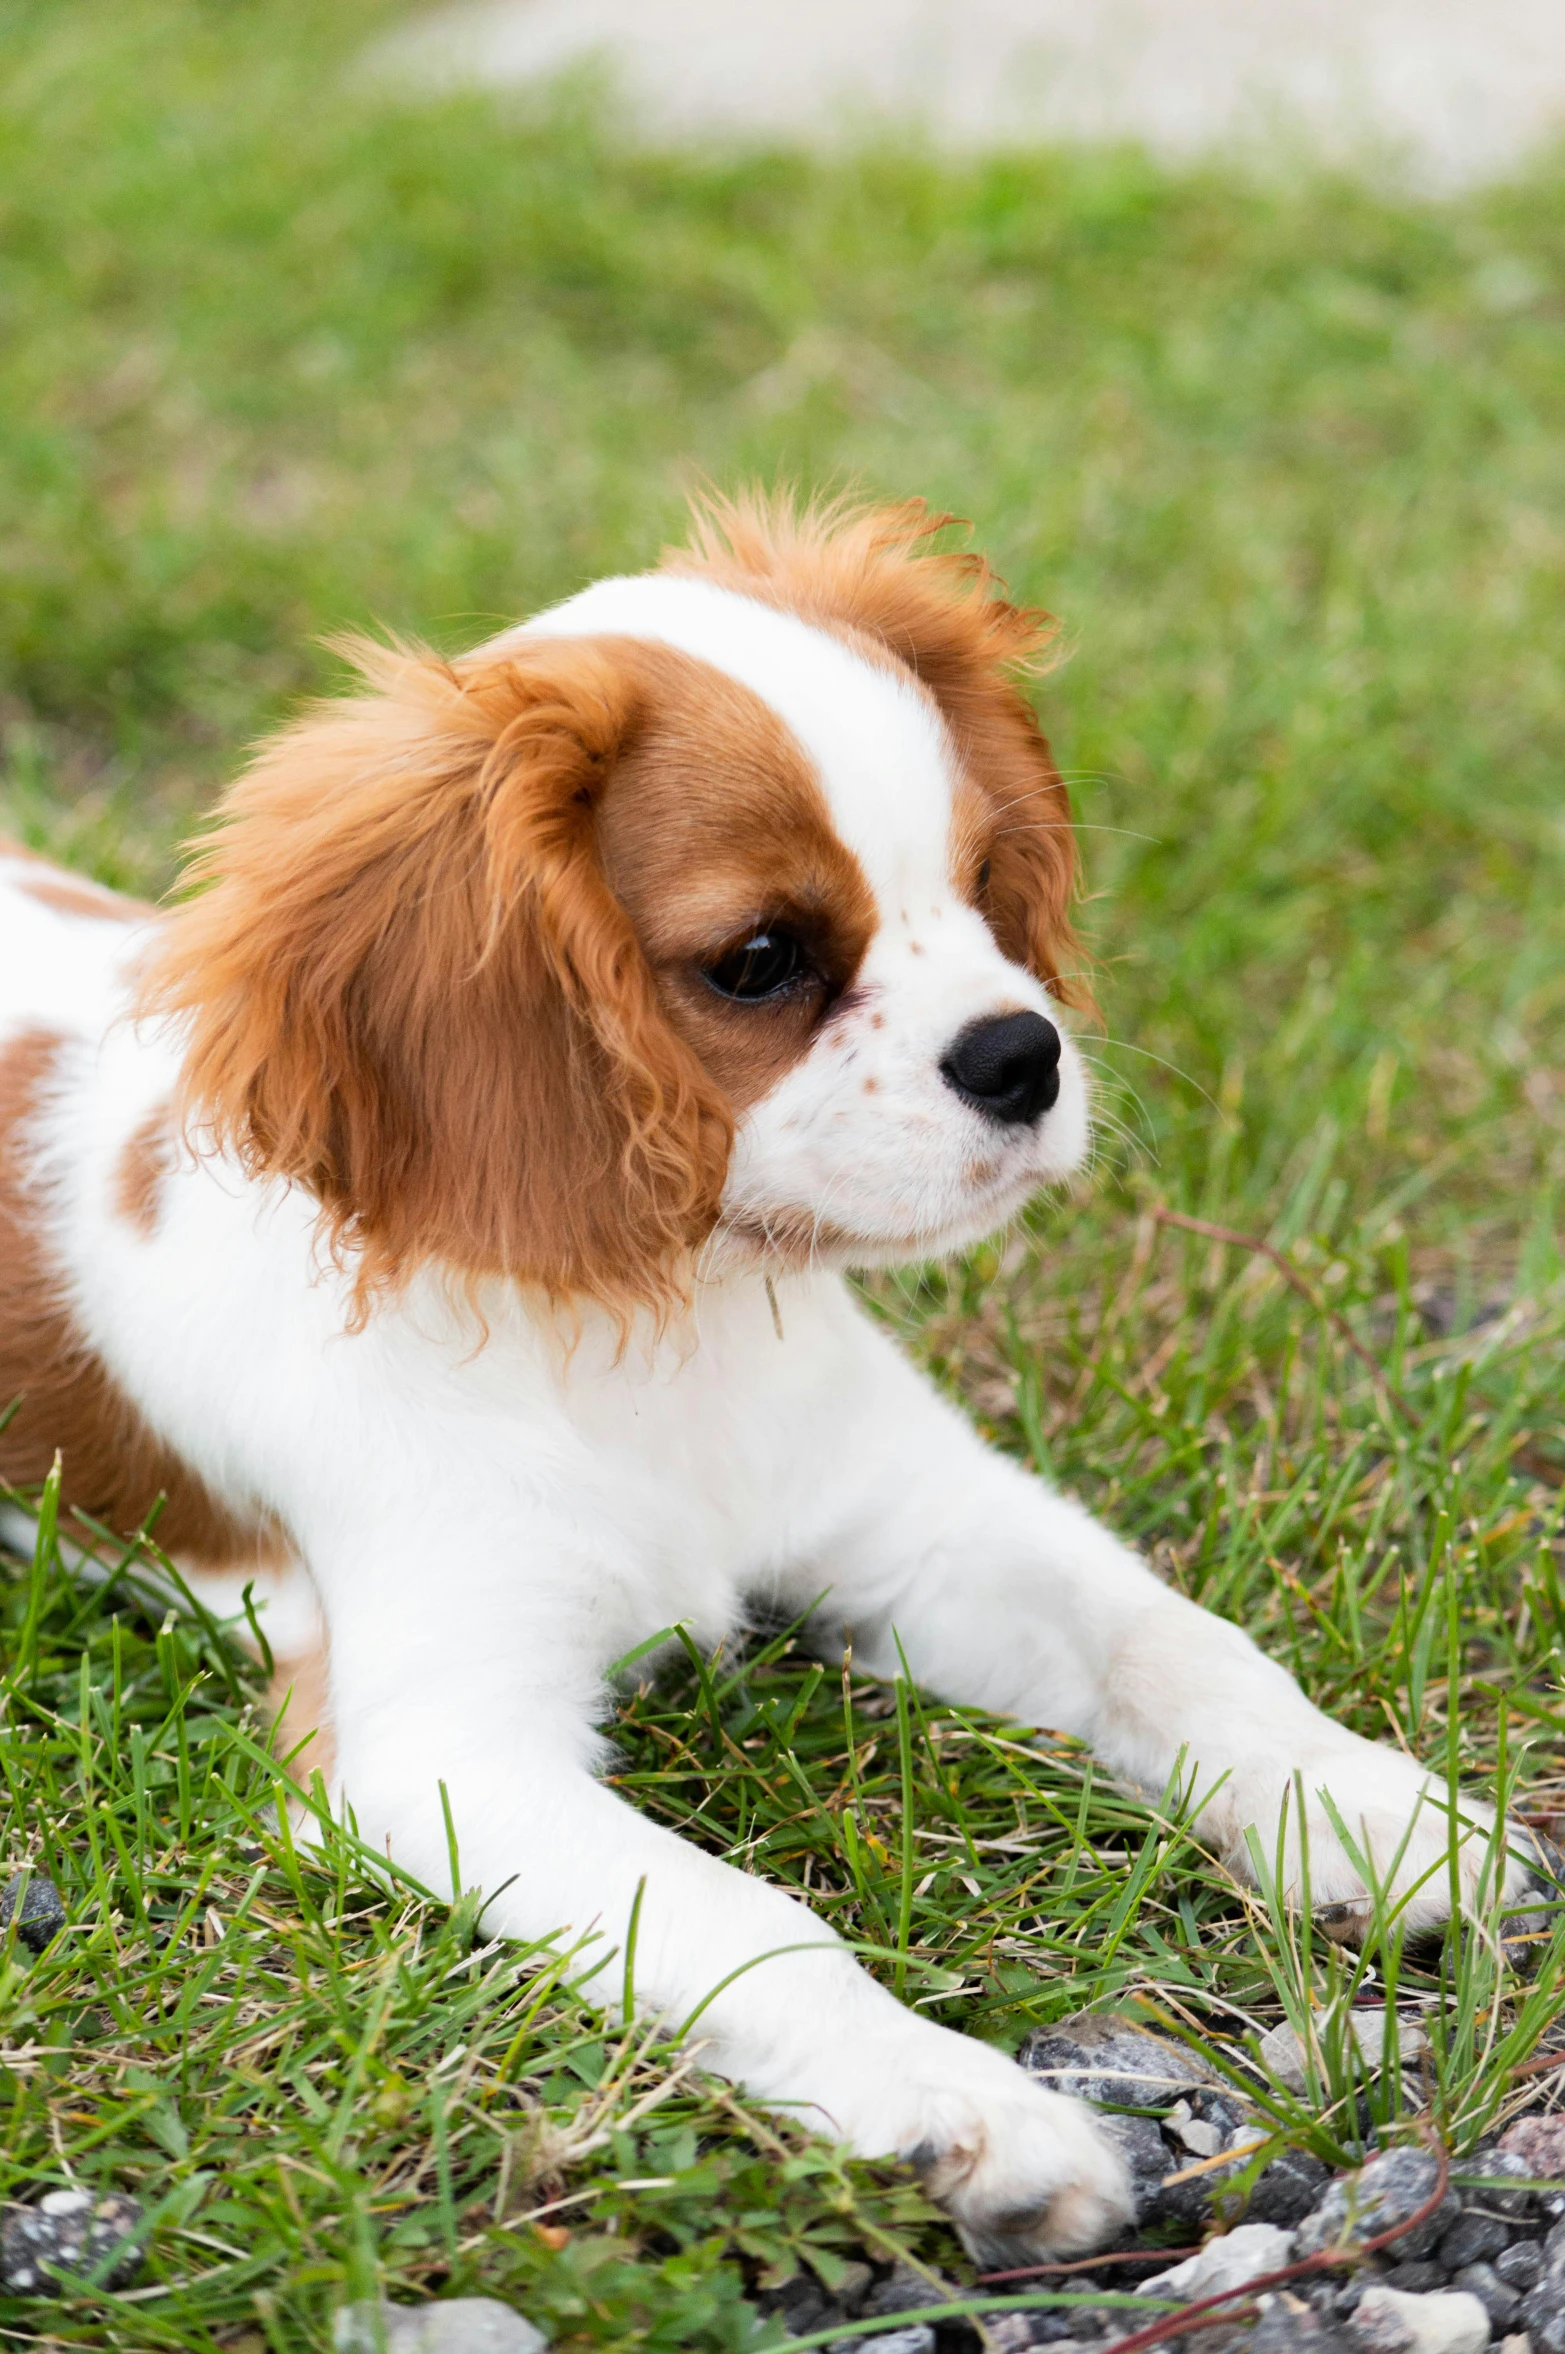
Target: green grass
x,y
282,353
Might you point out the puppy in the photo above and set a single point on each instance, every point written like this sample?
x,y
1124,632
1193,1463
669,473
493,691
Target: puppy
x,y
446,1211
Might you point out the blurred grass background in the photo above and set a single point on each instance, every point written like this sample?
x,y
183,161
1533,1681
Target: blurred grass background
x,y
283,350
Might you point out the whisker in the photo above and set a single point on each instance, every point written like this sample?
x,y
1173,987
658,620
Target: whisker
x,y
1126,1047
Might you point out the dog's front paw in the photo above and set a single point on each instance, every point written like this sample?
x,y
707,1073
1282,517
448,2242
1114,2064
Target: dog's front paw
x,y
1397,1818
1025,2174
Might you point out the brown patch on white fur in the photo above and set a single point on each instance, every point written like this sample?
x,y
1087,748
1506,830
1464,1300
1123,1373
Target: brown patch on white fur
x,y
56,887
114,1467
869,575
146,1160
447,976
713,827
299,1697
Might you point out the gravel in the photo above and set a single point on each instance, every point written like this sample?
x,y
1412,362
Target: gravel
x,y
1446,2323
1227,2262
1103,2057
42,1910
452,2325
1282,2054
1474,2238
1502,2304
1521,2266
1380,2195
1289,2325
1543,2307
66,2235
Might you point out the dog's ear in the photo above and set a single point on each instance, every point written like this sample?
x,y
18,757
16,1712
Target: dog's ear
x,y
408,987
872,574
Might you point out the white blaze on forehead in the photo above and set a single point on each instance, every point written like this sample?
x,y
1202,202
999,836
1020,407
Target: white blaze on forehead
x,y
877,745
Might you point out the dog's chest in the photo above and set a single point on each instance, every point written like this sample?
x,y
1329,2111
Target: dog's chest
x,y
711,1464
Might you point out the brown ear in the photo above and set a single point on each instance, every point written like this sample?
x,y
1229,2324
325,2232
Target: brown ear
x,y
872,574
409,988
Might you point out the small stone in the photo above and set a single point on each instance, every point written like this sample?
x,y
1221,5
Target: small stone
x,y
1199,2138
1473,2238
854,2283
1345,2300
1539,2142
70,2234
1379,2196
1288,2189
1146,2154
1520,2265
1499,2302
1415,2278
919,2339
1053,2328
42,1914
1445,2323
1009,2333
906,2290
1282,2054
1543,2311
451,2325
1290,2325
798,2304
1226,2262
1106,2057
1497,2167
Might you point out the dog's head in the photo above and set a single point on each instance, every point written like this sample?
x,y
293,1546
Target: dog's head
x,y
721,909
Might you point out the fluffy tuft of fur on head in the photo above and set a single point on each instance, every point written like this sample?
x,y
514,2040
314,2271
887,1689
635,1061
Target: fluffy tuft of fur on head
x,y
407,986
871,573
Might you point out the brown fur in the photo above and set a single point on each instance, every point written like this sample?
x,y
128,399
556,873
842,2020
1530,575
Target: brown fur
x,y
871,574
68,894
114,1468
145,1160
299,1697
410,987
714,824
448,972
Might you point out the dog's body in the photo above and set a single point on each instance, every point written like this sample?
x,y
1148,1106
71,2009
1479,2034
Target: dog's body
x,y
493,1318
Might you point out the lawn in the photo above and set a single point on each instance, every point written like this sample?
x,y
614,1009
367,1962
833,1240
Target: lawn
x,y
284,351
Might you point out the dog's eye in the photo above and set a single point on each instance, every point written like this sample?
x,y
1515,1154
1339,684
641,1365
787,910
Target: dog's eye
x,y
983,876
762,966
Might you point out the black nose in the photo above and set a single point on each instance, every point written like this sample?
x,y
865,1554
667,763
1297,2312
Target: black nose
x,y
1007,1067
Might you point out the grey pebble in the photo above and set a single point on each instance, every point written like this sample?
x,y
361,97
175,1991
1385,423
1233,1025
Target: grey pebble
x,y
919,2339
1443,2323
800,2304
906,2290
1416,2278
66,2235
1103,2056
1290,2325
1287,2190
1390,2188
1473,2239
451,2325
1520,2265
1499,2302
42,1914
1543,2307
1493,2198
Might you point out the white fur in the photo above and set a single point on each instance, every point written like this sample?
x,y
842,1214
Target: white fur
x,y
487,1531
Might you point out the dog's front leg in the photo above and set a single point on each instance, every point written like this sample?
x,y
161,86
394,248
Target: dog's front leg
x,y
484,1675
1005,1595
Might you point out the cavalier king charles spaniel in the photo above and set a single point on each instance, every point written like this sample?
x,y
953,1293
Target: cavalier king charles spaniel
x,y
446,1210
